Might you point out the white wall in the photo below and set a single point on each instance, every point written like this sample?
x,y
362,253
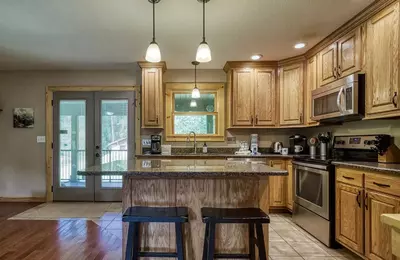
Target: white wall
x,y
22,160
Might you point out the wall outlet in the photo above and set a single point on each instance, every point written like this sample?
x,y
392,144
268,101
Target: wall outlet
x,y
40,139
146,142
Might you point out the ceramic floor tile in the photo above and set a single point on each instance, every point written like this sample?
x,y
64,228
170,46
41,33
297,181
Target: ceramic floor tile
x,y
116,232
110,215
282,226
319,258
308,249
102,223
273,236
115,225
348,257
292,236
286,258
278,248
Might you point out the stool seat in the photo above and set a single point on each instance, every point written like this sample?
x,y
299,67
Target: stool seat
x,y
234,215
156,214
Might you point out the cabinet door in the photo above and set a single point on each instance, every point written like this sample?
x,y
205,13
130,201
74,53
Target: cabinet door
x,y
264,97
291,94
327,64
242,98
349,53
382,86
350,216
277,186
311,84
289,202
377,234
152,99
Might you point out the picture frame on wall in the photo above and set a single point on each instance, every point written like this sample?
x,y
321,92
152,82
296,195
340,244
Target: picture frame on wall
x,y
23,117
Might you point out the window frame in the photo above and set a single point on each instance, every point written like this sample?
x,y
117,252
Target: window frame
x,y
219,106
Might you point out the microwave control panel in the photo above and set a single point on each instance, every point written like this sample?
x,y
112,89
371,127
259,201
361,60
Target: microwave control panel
x,y
364,142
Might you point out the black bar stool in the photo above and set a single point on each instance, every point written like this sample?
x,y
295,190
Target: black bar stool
x,y
254,217
137,215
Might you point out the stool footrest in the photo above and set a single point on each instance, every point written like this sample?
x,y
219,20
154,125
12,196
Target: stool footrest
x,y
157,254
230,256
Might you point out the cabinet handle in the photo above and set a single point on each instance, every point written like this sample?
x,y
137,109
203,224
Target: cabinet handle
x,y
334,72
157,119
382,185
359,199
366,201
394,98
301,118
349,178
256,119
252,120
339,71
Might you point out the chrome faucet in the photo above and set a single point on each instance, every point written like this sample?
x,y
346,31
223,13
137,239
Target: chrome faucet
x,y
195,143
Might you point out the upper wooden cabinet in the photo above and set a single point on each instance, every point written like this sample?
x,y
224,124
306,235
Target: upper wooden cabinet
x,y
311,84
383,64
251,97
291,94
152,98
341,58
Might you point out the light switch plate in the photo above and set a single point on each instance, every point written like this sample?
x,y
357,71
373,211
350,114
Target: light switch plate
x,y
40,139
146,142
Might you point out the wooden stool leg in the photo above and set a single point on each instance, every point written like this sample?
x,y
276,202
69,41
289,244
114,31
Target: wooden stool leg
x,y
129,241
136,241
260,242
205,246
179,241
211,242
252,249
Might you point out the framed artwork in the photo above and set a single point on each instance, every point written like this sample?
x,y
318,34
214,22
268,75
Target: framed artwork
x,y
23,117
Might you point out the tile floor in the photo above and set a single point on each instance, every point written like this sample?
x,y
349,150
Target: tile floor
x,y
287,240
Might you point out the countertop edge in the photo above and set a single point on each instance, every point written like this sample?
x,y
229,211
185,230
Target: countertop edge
x,y
184,175
361,165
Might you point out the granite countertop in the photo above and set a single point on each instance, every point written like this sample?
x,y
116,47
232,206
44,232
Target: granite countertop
x,y
393,168
183,169
214,155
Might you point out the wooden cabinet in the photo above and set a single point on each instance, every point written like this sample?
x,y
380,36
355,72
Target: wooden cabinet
x,y
311,84
277,186
291,94
253,97
341,58
383,64
377,234
289,197
152,98
350,216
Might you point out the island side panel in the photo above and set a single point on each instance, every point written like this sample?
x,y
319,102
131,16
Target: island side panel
x,y
263,189
126,203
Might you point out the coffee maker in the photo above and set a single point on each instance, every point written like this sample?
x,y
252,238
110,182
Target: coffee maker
x,y
156,144
298,144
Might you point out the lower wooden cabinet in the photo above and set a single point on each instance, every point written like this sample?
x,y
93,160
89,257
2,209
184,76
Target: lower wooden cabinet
x,y
358,213
277,186
350,216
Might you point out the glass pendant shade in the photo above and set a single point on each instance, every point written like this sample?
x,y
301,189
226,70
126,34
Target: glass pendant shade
x,y
195,93
153,53
203,53
193,103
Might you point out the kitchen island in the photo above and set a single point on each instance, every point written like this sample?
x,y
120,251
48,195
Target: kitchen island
x,y
193,184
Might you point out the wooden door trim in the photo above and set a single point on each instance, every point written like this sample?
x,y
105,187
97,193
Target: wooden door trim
x,y
49,123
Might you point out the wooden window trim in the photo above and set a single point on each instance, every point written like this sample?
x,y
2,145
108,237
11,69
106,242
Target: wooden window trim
x,y
215,88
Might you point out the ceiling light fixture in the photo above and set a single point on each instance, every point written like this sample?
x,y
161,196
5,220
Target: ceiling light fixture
x,y
300,45
195,91
153,53
203,51
193,103
256,56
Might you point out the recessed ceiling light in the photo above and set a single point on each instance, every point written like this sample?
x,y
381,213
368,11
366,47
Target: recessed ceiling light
x,y
300,45
256,56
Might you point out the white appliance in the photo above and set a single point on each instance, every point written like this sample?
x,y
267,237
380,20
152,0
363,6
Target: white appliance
x,y
254,143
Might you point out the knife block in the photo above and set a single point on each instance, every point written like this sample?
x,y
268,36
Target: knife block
x,y
392,155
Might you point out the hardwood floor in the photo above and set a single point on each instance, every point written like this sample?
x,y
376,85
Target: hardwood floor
x,y
73,239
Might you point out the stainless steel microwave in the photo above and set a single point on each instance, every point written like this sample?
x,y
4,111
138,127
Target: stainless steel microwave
x,y
342,100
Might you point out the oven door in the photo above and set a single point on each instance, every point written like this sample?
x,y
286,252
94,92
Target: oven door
x,y
311,186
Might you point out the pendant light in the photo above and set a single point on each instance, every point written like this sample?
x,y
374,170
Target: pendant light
x,y
195,91
153,53
203,52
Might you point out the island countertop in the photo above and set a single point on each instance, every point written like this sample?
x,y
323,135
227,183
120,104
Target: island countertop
x,y
183,169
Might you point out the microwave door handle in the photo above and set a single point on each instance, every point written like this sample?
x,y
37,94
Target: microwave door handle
x,y
339,106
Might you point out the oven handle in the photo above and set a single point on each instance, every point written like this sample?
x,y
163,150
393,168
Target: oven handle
x,y
312,166
338,100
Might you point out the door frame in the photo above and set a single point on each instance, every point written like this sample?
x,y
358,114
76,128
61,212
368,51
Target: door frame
x,y
49,123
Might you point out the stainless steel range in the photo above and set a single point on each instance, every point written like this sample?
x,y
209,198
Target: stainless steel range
x,y
314,182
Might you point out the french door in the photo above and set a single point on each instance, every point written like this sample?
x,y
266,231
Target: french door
x,y
91,128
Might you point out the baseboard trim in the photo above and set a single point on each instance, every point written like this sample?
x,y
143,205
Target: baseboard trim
x,y
22,199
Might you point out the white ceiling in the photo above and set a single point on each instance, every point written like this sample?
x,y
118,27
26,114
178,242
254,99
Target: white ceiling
x,y
96,34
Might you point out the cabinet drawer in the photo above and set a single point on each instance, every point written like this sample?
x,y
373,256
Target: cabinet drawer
x,y
350,176
384,183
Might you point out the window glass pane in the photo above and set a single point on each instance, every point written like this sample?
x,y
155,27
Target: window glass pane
x,y
185,103
200,124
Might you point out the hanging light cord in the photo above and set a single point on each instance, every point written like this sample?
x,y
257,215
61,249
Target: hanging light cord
x,y
204,20
195,76
154,20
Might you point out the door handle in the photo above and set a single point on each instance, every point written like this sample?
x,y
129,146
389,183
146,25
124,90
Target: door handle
x,y
366,201
349,178
97,146
381,185
97,155
339,71
359,199
393,99
334,72
339,105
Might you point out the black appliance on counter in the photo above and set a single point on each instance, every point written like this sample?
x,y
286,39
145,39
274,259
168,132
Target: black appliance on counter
x,y
297,141
314,182
156,144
